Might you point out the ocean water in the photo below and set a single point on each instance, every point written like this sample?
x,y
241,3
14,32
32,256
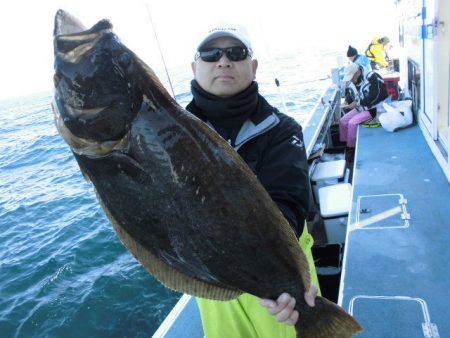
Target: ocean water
x,y
63,271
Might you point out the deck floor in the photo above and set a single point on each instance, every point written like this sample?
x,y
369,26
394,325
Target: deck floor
x,y
396,270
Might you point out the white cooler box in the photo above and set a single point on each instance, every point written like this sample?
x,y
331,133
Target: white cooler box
x,y
335,203
326,174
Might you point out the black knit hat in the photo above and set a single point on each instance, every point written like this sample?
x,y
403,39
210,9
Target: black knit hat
x,y
351,51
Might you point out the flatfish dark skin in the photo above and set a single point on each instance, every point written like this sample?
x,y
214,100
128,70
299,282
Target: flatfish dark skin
x,y
179,197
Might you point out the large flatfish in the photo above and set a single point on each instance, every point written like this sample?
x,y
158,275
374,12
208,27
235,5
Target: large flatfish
x,y
179,197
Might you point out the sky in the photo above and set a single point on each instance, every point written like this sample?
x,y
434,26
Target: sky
x,y
26,30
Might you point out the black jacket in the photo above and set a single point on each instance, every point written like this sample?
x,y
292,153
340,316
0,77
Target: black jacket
x,y
271,143
372,91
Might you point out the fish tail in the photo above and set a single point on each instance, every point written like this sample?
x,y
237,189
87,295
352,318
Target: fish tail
x,y
326,319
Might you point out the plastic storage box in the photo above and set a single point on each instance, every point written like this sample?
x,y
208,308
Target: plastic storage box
x,y
326,174
334,207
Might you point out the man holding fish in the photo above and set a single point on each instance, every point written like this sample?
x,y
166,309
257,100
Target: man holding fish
x,y
226,96
215,219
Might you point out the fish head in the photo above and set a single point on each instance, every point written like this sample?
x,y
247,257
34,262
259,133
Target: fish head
x,y
95,97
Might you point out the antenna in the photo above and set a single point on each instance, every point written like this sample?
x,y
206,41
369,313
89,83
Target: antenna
x,y
159,47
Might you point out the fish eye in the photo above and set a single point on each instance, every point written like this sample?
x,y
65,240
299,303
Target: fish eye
x,y
124,59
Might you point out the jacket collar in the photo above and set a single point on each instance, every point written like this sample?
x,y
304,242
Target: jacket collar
x,y
264,119
250,130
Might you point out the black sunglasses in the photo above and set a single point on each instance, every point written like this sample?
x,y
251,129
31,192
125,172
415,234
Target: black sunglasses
x,y
214,54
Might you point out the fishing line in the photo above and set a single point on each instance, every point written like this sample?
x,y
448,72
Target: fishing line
x,y
315,80
159,47
270,57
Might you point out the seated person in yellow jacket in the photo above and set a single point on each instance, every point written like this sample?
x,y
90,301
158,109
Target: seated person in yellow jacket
x,y
225,95
377,54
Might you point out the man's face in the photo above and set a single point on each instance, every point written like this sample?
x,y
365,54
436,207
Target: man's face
x,y
224,78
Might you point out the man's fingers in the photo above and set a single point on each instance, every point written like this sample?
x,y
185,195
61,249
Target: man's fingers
x,y
271,306
283,307
268,303
283,300
292,320
286,312
310,296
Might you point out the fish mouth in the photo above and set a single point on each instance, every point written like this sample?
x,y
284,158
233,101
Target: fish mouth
x,y
84,112
84,146
66,24
93,96
72,39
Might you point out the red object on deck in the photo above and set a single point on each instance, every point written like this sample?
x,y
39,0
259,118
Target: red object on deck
x,y
391,84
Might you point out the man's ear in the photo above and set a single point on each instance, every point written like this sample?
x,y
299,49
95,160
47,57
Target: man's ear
x,y
254,67
193,65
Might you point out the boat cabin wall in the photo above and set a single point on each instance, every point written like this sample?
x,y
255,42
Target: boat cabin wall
x,y
424,35
443,34
410,22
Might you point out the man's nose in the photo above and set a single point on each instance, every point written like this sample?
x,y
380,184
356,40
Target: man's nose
x,y
224,61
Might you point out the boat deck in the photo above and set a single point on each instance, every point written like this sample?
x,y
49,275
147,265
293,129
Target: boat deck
x,y
396,270
183,321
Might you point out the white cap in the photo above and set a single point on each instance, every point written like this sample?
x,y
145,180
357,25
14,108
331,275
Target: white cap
x,y
234,31
350,71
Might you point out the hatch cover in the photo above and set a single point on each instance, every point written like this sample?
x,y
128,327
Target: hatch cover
x,y
382,212
392,316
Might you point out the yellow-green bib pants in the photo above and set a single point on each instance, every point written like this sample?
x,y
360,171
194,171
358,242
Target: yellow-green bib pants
x,y
244,317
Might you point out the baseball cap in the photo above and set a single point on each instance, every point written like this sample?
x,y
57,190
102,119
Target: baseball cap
x,y
234,31
349,71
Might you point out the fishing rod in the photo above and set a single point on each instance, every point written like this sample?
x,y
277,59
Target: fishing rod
x,y
270,57
277,83
159,47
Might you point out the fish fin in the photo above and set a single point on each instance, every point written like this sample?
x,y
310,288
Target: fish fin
x,y
295,246
167,275
144,73
302,262
327,319
85,174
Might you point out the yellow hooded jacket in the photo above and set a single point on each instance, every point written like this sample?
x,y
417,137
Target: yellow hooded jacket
x,y
375,52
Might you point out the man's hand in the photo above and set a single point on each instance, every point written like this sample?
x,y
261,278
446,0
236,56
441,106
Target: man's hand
x,y
283,307
351,105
